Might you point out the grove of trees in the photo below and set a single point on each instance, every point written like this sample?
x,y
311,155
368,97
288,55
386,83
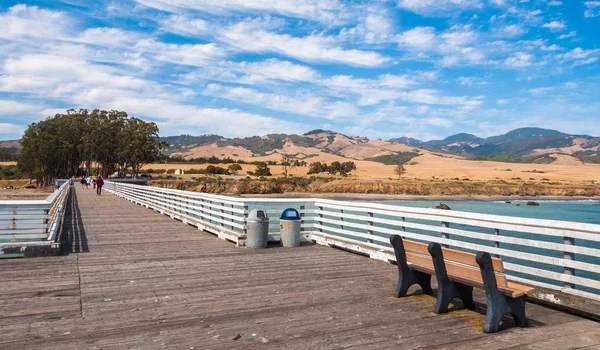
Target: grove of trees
x,y
334,168
110,140
262,169
7,154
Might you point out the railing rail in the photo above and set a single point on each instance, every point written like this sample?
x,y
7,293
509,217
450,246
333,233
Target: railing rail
x,y
559,255
26,221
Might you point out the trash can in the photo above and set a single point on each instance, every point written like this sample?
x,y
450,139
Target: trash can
x,y
257,235
289,225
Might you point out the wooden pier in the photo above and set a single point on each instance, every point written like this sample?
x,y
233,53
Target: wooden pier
x,y
135,279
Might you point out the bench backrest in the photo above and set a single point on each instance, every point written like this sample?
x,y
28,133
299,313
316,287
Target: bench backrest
x,y
458,263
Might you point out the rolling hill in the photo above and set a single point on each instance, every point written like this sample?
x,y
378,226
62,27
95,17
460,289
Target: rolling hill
x,y
516,143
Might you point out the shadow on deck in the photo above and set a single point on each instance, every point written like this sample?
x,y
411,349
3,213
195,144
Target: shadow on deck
x,y
73,238
146,281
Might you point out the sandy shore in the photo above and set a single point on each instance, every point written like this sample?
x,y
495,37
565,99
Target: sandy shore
x,y
377,196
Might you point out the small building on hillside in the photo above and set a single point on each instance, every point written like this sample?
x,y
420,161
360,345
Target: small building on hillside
x,y
179,172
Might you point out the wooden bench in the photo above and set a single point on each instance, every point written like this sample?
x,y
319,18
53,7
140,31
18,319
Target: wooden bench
x,y
457,273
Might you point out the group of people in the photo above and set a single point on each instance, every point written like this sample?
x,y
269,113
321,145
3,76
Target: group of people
x,y
98,182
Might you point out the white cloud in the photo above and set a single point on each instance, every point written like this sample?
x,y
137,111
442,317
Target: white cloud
x,y
186,26
579,53
471,81
188,54
111,37
555,25
16,108
325,11
172,116
421,38
31,22
439,7
555,3
519,60
592,9
510,31
11,129
313,48
568,35
539,91
304,104
552,47
457,45
81,84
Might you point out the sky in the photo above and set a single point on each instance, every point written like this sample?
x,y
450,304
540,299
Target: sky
x,y
381,69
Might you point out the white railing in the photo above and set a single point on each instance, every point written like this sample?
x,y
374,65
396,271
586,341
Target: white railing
x,y
222,215
27,221
558,255
554,254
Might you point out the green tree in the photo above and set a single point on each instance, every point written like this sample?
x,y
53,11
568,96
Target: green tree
x,y
287,163
400,170
317,167
234,168
347,168
262,169
58,146
7,154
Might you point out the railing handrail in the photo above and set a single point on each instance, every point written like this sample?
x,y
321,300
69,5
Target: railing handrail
x,y
35,202
29,220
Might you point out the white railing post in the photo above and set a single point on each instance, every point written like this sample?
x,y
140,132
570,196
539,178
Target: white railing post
x,y
444,233
246,212
222,211
302,209
496,243
320,222
370,223
403,227
569,271
232,220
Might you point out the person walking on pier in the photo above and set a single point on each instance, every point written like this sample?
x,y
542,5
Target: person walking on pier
x,y
83,182
88,182
99,184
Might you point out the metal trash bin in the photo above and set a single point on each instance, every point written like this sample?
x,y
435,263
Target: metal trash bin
x,y
257,235
289,225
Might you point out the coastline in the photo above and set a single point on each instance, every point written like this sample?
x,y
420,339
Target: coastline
x,y
408,197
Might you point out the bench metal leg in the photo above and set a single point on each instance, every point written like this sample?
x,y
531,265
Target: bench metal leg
x,y
448,290
406,276
498,305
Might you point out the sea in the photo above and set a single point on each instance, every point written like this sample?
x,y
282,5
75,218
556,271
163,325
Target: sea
x,y
586,211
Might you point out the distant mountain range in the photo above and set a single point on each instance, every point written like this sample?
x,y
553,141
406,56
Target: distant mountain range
x,y
519,142
533,142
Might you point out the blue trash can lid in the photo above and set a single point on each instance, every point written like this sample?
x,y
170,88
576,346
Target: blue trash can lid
x,y
290,214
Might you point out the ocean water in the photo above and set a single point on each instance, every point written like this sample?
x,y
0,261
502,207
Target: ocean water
x,y
587,211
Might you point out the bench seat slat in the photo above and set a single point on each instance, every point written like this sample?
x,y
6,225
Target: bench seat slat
x,y
520,287
420,260
508,292
469,259
416,247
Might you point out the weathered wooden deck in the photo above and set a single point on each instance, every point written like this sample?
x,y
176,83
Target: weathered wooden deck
x,y
137,279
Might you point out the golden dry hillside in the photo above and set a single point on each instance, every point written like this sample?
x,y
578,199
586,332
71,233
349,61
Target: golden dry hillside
x,y
327,147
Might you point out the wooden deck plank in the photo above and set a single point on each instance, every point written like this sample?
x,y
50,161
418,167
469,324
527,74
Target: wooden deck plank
x,y
145,281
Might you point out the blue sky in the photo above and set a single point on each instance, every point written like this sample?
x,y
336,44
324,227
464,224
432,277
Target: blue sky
x,y
381,69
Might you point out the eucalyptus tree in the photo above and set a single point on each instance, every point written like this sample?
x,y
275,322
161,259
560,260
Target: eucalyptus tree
x,y
60,145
